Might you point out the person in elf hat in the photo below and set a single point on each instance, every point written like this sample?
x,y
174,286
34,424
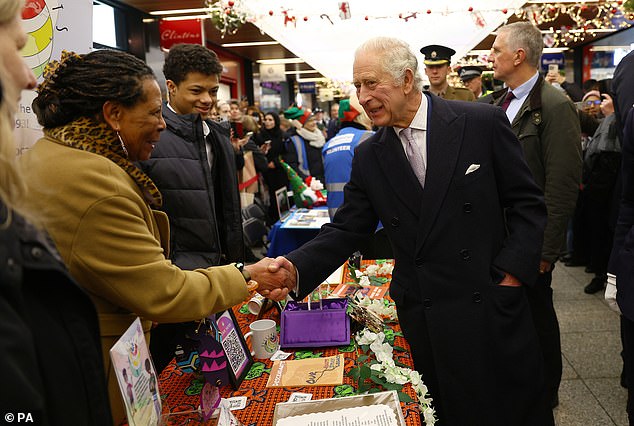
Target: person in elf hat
x,y
304,143
471,77
338,151
437,60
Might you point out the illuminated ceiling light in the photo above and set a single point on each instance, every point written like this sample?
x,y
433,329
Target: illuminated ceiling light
x,y
607,48
302,72
184,17
486,52
251,43
280,61
178,11
311,80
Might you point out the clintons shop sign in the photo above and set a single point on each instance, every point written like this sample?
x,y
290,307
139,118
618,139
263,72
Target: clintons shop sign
x,y
175,32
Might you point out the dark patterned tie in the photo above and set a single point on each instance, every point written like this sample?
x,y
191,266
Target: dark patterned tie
x,y
507,101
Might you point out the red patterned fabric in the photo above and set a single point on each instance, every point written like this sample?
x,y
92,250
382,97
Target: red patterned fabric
x,y
181,391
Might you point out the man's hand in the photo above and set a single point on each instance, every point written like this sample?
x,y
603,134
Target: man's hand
x,y
283,264
510,281
544,266
610,293
274,282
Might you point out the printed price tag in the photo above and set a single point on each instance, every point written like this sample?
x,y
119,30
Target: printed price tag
x,y
300,397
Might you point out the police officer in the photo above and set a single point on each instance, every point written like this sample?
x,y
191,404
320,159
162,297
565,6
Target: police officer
x,y
471,77
437,60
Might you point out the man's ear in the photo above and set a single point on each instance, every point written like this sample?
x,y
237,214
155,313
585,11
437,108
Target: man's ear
x,y
408,81
171,87
520,56
112,114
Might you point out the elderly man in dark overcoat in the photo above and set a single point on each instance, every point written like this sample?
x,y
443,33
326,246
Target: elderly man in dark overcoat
x,y
465,219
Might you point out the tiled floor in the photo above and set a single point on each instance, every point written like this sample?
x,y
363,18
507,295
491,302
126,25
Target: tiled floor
x,y
590,393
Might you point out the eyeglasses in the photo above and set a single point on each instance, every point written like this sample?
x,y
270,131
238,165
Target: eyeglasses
x,y
595,102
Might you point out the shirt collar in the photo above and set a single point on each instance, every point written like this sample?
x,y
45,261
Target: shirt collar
x,y
524,89
419,122
206,129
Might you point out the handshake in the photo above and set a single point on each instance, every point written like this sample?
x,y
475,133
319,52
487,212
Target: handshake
x,y
275,277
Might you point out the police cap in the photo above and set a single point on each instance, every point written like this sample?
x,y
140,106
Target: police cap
x,y
468,72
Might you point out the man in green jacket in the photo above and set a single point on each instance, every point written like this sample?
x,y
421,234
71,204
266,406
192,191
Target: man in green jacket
x,y
547,126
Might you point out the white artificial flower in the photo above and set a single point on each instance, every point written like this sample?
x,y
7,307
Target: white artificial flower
x,y
414,377
358,273
393,375
428,414
365,337
364,281
386,269
382,351
372,270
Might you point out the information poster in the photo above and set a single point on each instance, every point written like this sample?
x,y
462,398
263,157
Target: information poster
x,y
137,377
51,26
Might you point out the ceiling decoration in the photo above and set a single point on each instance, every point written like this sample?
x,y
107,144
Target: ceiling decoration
x,y
226,16
587,19
325,33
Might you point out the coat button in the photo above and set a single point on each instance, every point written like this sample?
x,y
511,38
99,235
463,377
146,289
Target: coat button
x,y
36,252
465,254
427,303
10,264
477,297
395,222
419,261
467,207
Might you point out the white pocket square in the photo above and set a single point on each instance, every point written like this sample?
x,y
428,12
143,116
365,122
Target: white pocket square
x,y
472,168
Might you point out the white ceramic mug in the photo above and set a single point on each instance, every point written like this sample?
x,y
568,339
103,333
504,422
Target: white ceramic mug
x,y
264,338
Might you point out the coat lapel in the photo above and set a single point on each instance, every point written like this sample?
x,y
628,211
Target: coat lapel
x,y
444,138
396,168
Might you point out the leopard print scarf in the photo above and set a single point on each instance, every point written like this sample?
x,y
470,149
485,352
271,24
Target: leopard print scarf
x,y
90,135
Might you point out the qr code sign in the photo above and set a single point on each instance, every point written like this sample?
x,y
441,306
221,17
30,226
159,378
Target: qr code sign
x,y
234,351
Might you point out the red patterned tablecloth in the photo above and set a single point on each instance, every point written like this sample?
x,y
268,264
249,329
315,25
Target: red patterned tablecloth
x,y
181,391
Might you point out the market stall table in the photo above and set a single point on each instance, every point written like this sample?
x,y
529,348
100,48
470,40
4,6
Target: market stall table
x,y
285,237
180,391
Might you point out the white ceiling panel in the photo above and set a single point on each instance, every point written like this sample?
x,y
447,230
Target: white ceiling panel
x,y
327,42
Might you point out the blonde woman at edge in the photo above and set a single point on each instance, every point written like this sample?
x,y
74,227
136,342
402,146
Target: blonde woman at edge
x,y
49,333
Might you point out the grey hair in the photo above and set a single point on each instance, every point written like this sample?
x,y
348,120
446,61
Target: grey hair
x,y
526,36
396,56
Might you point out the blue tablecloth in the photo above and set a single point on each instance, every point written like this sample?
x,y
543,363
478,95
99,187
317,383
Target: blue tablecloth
x,y
285,240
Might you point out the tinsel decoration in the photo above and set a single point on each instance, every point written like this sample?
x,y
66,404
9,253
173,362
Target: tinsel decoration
x,y
226,16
